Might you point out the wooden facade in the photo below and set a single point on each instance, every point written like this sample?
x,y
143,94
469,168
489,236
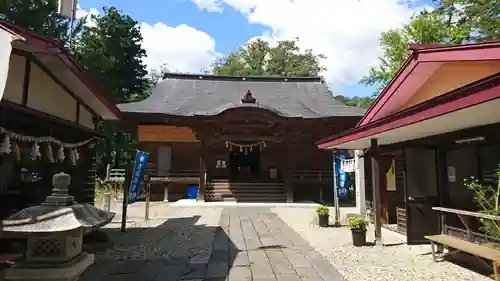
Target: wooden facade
x,y
276,158
438,130
244,150
40,102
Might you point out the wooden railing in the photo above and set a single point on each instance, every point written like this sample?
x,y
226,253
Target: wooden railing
x,y
118,175
309,175
466,217
178,176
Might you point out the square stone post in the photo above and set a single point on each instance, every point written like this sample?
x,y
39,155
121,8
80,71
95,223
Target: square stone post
x,y
287,165
359,174
201,191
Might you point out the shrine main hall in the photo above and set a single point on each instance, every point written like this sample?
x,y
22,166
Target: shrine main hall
x,y
241,138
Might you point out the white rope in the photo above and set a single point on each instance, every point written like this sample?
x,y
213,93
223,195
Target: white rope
x,y
38,140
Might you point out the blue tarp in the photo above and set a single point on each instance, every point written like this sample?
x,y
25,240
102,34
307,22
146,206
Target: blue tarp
x,y
192,192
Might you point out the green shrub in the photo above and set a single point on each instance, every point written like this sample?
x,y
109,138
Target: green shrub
x,y
322,211
357,223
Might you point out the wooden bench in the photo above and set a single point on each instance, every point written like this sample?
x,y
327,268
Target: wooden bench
x,y
454,244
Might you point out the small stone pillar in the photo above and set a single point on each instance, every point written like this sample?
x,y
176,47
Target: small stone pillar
x,y
54,232
359,173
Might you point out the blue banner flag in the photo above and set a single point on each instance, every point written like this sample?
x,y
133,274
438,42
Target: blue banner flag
x,y
342,179
141,159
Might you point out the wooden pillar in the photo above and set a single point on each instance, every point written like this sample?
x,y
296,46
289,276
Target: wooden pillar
x,y
287,164
374,153
201,191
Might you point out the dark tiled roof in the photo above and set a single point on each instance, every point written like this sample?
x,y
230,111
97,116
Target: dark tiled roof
x,y
189,95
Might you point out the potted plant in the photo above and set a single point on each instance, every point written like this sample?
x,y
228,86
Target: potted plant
x,y
323,215
358,230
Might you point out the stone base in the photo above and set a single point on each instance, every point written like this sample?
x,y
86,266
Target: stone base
x,y
70,272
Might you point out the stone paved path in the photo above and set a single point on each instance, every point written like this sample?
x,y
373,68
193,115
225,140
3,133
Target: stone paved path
x,y
250,244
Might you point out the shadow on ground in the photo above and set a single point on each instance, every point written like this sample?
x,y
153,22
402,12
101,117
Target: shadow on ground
x,y
177,249
467,261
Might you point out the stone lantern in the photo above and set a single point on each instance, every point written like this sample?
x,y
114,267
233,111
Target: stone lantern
x,y
54,232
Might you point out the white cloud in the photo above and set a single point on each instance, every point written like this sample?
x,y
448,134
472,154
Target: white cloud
x,y
80,13
208,5
346,31
182,48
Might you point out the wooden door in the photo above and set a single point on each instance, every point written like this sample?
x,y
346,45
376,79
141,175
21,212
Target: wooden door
x,y
421,194
164,160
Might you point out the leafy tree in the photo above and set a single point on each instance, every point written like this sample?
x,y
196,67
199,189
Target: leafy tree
x,y
156,75
110,50
364,102
259,58
41,17
426,28
482,16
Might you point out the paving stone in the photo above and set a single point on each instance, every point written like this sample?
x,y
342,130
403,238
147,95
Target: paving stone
x,y
307,272
194,271
288,277
221,240
219,256
296,259
258,256
217,270
325,269
261,270
239,259
280,263
240,274
249,244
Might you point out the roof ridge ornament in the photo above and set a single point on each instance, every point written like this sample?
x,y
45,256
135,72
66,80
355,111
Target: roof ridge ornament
x,y
248,98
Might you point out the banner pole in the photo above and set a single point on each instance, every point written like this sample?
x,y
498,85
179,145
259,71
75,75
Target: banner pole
x,y
335,192
126,186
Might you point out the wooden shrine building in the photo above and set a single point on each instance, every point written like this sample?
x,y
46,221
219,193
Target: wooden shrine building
x,y
48,110
435,125
241,138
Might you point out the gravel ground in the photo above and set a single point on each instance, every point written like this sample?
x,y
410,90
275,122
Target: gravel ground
x,y
397,262
172,233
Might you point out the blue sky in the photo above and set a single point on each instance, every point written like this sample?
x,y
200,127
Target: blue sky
x,y
187,35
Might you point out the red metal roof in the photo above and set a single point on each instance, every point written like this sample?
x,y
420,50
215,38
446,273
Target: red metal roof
x,y
424,60
54,46
473,94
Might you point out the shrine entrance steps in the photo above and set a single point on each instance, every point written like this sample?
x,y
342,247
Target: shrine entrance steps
x,y
222,190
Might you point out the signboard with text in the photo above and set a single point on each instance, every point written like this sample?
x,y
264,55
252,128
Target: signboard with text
x,y
141,159
341,176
